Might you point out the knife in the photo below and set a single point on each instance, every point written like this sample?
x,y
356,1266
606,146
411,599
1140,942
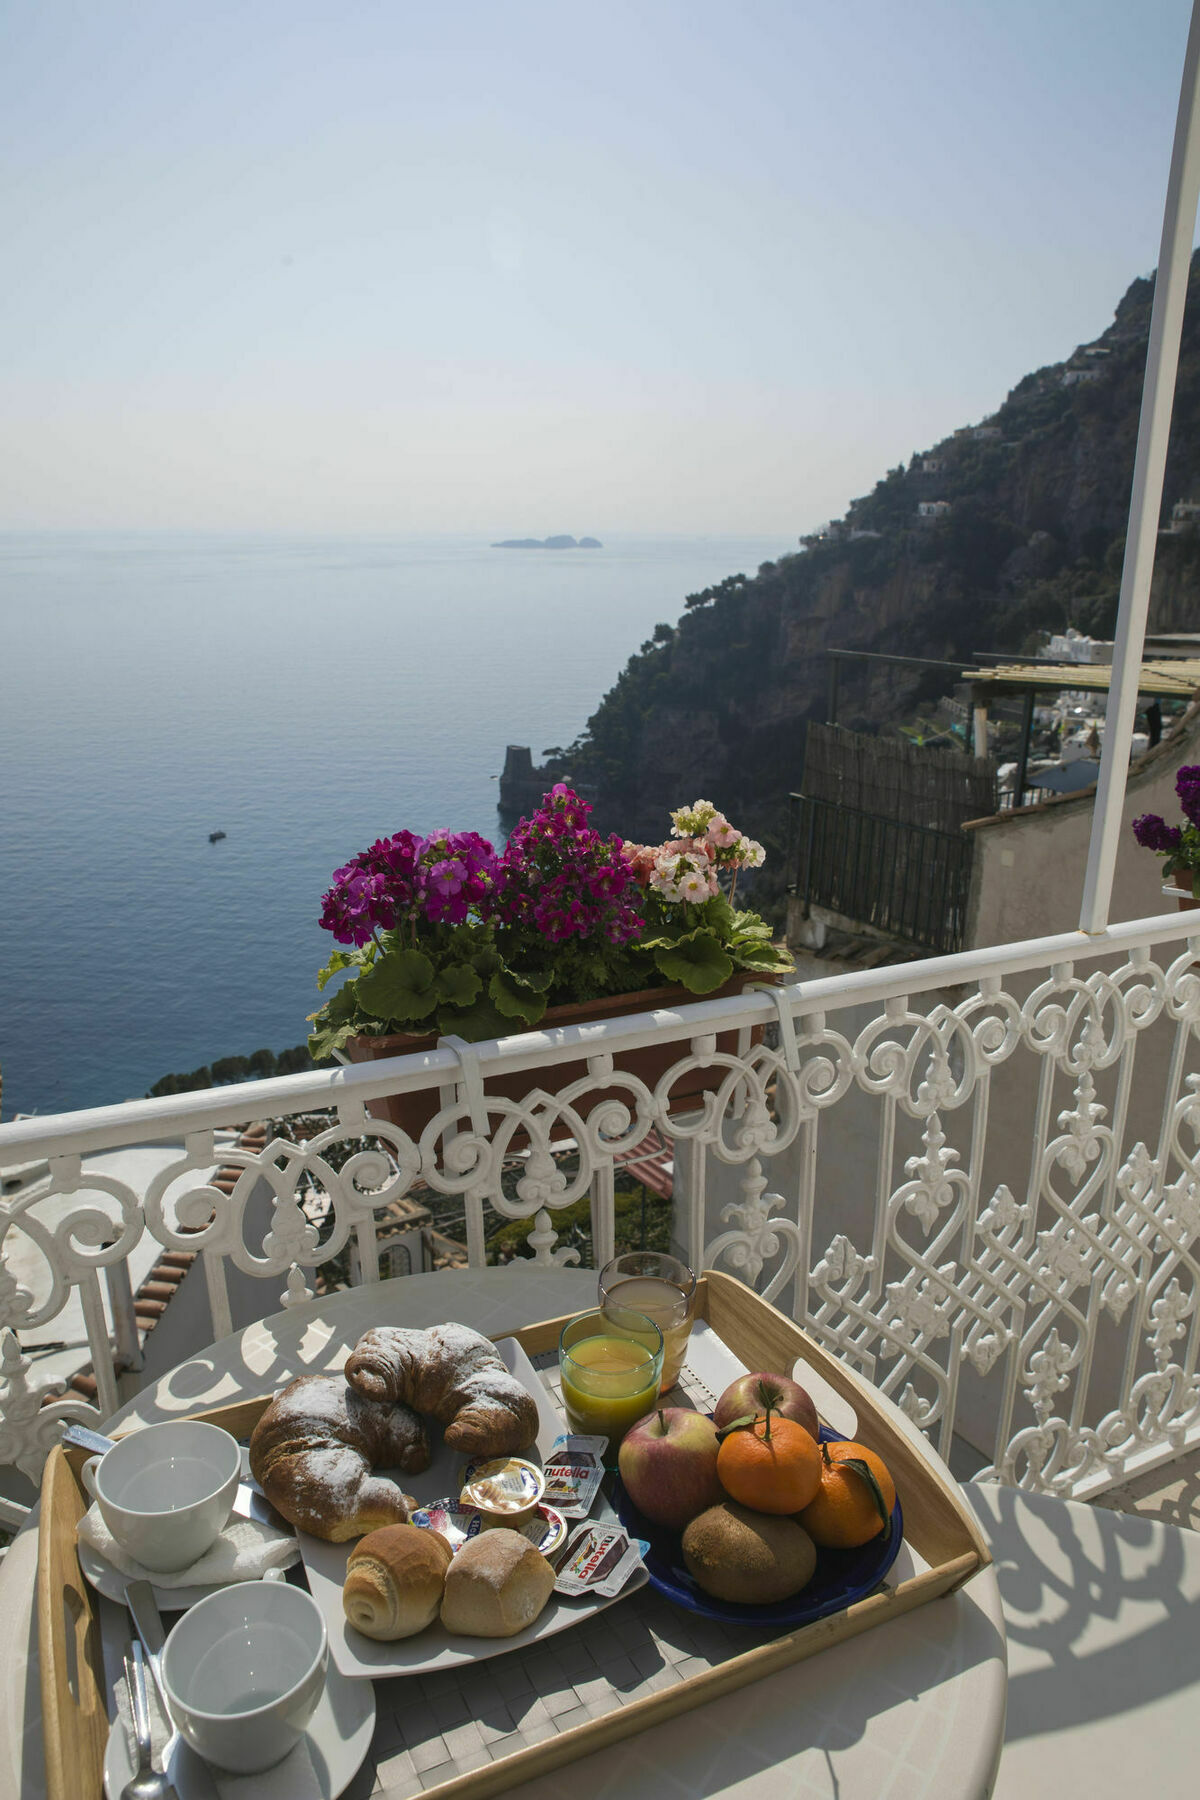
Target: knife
x,y
248,1502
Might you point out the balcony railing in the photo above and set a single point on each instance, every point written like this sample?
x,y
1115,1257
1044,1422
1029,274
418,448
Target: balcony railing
x,y
975,1178
908,881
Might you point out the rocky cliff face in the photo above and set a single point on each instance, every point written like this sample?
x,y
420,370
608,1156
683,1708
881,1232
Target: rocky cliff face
x,y
1037,496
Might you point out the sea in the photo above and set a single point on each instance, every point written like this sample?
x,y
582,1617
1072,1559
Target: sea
x,y
302,694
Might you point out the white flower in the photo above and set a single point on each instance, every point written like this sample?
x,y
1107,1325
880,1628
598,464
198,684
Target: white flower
x,y
694,887
663,882
751,855
692,821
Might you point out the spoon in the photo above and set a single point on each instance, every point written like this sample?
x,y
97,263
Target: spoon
x,y
148,1783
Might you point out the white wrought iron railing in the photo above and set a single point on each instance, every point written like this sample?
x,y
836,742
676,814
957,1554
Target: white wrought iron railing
x,y
977,1178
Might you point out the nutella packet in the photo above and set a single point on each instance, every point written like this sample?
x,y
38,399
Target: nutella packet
x,y
455,1523
574,1470
598,1559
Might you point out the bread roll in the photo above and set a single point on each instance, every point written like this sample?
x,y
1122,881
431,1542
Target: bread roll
x,y
394,1581
496,1586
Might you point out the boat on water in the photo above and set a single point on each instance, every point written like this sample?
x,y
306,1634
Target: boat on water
x,y
214,837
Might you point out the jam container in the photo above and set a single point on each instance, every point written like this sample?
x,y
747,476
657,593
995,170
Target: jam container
x,y
507,1490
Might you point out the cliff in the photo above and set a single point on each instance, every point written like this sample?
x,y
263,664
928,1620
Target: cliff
x,y
1029,538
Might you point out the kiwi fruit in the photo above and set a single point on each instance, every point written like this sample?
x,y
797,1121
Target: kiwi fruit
x,y
750,1558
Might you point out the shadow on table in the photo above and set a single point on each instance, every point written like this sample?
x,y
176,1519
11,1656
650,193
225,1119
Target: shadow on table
x,y
1102,1609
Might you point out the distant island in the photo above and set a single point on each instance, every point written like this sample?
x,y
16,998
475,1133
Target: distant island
x,y
550,543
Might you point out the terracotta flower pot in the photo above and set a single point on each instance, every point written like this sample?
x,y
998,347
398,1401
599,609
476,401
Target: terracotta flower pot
x,y
412,1112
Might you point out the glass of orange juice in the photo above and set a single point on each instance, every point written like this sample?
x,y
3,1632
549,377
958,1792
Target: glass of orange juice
x,y
664,1289
610,1364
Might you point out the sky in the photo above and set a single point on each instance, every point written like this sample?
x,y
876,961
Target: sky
x,y
669,266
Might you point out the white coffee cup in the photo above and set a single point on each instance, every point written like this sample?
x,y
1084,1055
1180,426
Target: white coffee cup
x,y
244,1670
166,1492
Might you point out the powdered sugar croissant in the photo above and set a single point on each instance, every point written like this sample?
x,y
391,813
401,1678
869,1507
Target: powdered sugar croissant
x,y
315,1447
453,1373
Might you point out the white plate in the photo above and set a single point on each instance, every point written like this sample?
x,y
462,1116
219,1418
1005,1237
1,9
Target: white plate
x,y
338,1738
111,1582
435,1647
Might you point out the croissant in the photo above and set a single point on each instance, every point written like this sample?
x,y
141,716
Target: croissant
x,y
314,1449
453,1373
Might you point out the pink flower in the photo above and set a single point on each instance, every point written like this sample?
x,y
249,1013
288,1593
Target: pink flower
x,y
721,834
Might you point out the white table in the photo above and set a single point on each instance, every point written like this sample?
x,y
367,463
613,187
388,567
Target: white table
x,y
913,1710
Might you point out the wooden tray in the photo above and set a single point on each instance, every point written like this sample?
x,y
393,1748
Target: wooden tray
x,y
938,1525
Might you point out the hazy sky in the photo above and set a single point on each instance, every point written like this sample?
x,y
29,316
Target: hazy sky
x,y
677,265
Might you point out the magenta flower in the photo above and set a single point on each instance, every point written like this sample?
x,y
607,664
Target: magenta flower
x,y
1187,786
1153,832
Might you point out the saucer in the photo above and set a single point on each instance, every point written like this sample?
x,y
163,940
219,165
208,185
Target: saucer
x,y
338,1738
112,1583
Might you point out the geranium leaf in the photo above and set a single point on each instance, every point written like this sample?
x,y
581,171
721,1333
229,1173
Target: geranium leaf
x,y
697,962
538,980
757,955
330,1037
475,1022
516,1000
399,987
749,924
341,959
458,985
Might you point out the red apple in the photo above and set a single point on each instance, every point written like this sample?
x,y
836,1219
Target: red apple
x,y
668,1462
787,1398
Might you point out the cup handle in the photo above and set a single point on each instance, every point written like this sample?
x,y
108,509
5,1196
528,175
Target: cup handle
x,y
88,1475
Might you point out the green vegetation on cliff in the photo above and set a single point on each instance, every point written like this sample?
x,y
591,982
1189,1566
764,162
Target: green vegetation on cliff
x,y
1037,496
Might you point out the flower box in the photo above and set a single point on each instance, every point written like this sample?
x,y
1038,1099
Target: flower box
x,y
412,1112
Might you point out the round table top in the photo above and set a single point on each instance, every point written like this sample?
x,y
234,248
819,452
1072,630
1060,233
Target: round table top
x,y
912,1710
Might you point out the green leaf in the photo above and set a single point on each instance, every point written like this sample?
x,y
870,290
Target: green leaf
x,y
516,999
720,915
537,979
866,1473
342,959
696,961
749,924
330,1037
475,1022
757,955
400,987
458,985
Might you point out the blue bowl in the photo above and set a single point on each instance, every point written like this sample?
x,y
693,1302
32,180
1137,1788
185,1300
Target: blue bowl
x,y
841,1578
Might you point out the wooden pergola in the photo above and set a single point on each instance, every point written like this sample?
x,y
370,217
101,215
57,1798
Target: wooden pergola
x,y
1164,677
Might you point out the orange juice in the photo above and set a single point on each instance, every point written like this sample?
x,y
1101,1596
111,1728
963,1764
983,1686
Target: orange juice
x,y
607,1384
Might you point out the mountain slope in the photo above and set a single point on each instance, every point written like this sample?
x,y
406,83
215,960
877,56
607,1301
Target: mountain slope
x,y
1038,499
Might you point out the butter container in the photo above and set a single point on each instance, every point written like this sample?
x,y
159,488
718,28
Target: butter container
x,y
506,1490
449,1520
546,1530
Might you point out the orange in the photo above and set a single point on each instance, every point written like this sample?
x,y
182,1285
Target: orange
x,y
848,1510
771,1465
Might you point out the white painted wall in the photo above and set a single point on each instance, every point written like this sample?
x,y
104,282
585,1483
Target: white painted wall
x,y
1029,865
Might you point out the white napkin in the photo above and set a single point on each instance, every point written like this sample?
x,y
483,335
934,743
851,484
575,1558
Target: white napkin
x,y
294,1778
245,1550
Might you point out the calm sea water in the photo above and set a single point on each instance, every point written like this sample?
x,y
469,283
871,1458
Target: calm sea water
x,y
303,695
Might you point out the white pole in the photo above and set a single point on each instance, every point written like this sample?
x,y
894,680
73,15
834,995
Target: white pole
x,y
1145,504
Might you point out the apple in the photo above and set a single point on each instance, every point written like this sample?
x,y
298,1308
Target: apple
x,y
668,1463
750,1393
